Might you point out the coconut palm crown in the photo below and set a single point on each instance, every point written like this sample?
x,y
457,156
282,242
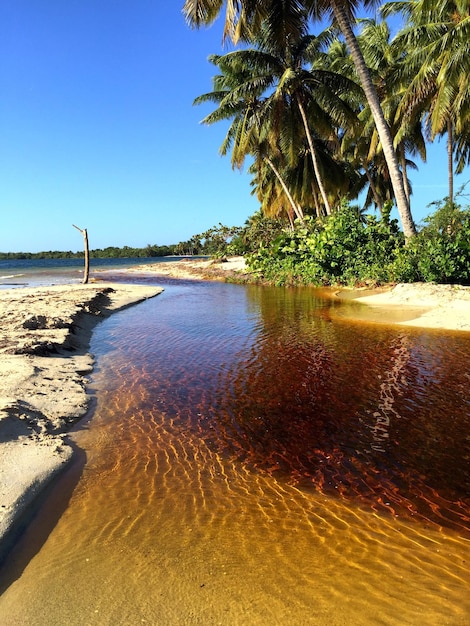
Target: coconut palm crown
x,y
289,18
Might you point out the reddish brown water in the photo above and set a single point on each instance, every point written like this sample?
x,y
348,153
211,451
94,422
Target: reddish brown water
x,y
254,458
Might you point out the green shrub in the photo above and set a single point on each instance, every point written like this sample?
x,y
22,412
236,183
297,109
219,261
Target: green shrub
x,y
343,249
441,251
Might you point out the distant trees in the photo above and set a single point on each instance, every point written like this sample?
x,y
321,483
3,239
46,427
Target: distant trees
x,y
214,242
111,252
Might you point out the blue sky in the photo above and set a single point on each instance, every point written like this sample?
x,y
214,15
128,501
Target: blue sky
x,y
97,129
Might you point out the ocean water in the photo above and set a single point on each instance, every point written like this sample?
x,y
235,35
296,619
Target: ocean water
x,y
42,272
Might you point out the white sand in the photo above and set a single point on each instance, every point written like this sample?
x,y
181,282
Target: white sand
x,y
445,307
187,267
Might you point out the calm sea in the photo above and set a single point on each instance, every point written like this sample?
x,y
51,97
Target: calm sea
x,y
40,272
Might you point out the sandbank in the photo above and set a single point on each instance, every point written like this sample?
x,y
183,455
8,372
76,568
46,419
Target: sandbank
x,y
43,366
198,269
423,305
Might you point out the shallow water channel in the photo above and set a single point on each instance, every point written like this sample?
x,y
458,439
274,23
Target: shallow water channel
x,y
257,457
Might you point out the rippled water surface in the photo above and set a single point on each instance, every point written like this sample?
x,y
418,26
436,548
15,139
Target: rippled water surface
x,y
253,459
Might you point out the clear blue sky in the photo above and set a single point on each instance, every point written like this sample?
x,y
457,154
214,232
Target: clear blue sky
x,y
97,129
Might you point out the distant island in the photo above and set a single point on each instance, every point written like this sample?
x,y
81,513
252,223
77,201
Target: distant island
x,y
111,252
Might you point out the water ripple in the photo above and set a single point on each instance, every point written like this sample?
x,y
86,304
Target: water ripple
x,y
250,462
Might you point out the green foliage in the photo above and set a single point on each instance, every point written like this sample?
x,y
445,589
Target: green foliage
x,y
441,251
339,249
258,230
345,250
216,242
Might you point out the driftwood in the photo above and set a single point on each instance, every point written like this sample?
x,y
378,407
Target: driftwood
x,y
87,254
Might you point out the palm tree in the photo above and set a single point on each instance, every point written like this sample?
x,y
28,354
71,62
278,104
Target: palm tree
x,y
243,21
343,11
295,97
238,92
317,95
435,48
380,55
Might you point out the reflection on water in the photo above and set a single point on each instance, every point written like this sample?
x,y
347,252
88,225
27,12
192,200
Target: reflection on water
x,y
253,459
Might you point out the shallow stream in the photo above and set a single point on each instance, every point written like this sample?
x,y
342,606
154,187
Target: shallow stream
x,y
255,457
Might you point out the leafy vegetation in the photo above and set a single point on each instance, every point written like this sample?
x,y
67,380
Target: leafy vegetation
x,y
346,250
212,242
325,118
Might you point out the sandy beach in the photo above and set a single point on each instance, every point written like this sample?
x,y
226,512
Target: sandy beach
x,y
44,362
198,269
442,307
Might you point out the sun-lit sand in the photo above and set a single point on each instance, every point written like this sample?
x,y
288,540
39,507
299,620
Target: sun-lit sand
x,y
445,307
188,267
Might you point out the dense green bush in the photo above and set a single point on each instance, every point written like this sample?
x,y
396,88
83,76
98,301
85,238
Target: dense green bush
x,y
441,251
343,249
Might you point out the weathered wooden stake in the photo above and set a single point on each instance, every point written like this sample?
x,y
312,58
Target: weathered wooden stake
x,y
87,255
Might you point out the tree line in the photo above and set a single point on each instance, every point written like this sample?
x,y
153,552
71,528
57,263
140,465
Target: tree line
x,y
111,252
211,242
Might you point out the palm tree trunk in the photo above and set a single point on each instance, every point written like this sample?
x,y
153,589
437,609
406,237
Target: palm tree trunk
x,y
297,210
409,228
404,174
373,189
315,200
291,221
313,153
450,160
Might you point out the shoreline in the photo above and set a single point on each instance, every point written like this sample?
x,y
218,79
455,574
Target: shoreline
x,y
44,363
197,269
420,305
424,305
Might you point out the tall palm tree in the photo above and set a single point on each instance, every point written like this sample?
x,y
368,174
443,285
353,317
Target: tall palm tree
x,y
380,55
295,98
238,92
243,21
435,49
317,96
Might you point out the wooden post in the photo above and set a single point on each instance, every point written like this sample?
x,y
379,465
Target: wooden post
x,y
87,255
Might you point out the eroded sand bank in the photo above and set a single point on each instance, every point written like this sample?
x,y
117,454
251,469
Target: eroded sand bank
x,y
45,333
